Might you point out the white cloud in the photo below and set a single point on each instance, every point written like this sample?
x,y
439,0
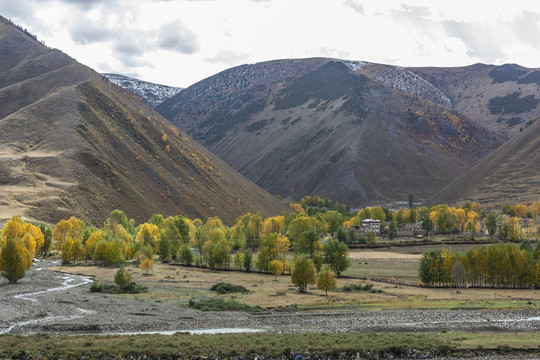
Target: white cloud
x,y
175,36
179,42
227,57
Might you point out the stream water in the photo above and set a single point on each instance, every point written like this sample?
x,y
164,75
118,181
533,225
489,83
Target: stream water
x,y
69,281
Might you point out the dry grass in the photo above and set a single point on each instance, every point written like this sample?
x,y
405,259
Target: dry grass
x,y
178,284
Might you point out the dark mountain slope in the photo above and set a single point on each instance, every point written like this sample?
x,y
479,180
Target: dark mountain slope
x,y
502,98
509,175
356,132
73,143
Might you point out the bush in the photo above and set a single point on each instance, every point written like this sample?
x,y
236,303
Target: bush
x,y
228,288
218,304
96,286
130,288
122,277
358,288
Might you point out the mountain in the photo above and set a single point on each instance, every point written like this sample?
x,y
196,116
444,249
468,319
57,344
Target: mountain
x,y
357,132
73,143
502,98
152,94
509,175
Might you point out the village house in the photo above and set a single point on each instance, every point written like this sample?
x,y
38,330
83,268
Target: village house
x,y
411,230
368,225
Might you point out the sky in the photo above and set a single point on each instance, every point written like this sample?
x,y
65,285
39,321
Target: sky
x,y
180,42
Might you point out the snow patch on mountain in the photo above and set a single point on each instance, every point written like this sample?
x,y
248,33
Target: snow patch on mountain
x,y
407,81
153,94
354,65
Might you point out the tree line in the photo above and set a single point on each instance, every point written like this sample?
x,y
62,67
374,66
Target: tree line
x,y
278,241
501,265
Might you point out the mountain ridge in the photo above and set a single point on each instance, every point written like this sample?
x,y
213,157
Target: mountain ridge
x,y
75,144
291,125
153,94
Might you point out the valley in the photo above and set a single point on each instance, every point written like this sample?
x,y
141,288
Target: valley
x,y
247,216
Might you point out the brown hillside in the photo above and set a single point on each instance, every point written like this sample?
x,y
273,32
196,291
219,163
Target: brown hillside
x,y
355,132
75,144
510,175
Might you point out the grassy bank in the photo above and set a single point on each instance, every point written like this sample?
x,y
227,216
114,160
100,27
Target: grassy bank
x,y
185,346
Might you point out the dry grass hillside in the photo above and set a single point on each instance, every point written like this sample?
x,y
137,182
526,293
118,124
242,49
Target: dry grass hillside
x,y
356,132
510,175
73,143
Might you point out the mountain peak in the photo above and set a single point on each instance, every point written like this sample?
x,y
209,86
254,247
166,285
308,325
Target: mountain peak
x,y
152,94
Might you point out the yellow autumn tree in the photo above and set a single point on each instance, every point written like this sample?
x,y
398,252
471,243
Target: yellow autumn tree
x,y
275,224
66,229
30,235
148,235
461,217
472,225
92,241
276,267
147,265
515,229
15,259
297,208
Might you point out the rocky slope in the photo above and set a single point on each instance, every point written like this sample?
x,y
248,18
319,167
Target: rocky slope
x,y
353,131
502,98
152,94
73,143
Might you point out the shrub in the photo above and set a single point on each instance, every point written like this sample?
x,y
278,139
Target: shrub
x,y
228,288
354,288
218,304
122,277
96,286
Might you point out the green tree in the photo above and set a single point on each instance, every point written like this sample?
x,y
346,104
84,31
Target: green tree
x,y
427,225
336,255
392,229
371,237
303,273
342,235
47,238
308,243
156,219
326,280
490,223
247,260
268,252
378,213
238,259
186,254
333,220
165,248
431,267
120,218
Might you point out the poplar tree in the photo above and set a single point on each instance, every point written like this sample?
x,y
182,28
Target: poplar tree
x,y
14,260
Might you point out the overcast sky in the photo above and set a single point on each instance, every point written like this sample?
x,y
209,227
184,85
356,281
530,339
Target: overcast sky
x,y
179,42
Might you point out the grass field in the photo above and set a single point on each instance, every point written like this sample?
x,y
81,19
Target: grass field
x,y
186,346
179,284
